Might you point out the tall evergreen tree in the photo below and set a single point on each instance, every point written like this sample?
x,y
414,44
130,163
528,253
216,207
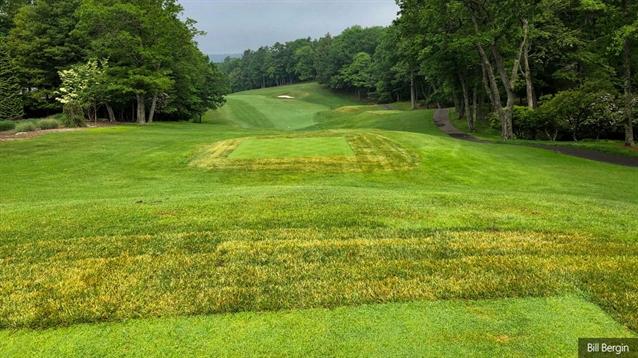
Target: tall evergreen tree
x,y
10,91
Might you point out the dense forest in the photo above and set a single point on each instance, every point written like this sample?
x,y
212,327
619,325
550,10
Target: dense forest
x,y
534,69
128,60
545,69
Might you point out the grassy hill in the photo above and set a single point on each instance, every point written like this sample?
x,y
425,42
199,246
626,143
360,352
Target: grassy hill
x,y
337,228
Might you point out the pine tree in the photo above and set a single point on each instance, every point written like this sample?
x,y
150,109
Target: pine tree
x,y
10,91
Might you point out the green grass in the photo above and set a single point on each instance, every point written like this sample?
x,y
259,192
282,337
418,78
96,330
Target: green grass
x,y
292,148
513,327
112,224
263,109
486,132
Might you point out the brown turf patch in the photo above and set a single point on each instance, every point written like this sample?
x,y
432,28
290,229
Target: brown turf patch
x,y
373,152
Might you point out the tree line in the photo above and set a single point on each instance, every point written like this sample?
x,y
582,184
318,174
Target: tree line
x,y
534,69
123,59
361,60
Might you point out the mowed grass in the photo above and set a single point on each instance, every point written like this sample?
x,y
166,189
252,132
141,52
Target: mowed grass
x,y
113,224
484,131
292,148
263,109
495,328
365,152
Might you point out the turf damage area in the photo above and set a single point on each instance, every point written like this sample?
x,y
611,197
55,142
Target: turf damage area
x,y
312,152
59,283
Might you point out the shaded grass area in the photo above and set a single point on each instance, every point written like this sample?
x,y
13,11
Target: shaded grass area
x,y
292,148
512,327
486,132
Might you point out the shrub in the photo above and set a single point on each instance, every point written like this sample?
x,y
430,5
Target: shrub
x,y
48,123
524,123
494,120
24,127
59,116
6,125
74,115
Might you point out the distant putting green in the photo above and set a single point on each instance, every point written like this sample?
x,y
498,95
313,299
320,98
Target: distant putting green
x,y
292,148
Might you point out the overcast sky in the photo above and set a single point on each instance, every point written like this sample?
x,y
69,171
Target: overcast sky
x,y
236,25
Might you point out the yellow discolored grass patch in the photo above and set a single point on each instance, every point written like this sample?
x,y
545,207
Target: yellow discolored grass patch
x,y
349,109
53,283
382,113
373,152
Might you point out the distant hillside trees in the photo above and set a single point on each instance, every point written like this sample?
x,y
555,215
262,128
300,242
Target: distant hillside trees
x,y
365,61
155,68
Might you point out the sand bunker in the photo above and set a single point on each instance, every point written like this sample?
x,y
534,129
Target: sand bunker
x,y
285,97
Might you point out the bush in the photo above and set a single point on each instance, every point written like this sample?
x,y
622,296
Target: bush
x,y
59,116
74,115
24,127
524,123
6,125
494,120
48,123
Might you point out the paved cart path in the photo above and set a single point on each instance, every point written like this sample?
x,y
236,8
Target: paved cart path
x,y
442,120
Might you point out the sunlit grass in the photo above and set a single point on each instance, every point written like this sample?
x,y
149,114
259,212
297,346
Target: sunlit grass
x,y
292,148
484,131
493,328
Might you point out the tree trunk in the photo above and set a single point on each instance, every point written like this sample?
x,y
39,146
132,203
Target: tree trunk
x,y
486,84
141,109
425,95
109,109
474,107
508,82
481,108
438,104
87,113
457,104
153,106
509,107
466,102
412,92
531,100
629,106
492,88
